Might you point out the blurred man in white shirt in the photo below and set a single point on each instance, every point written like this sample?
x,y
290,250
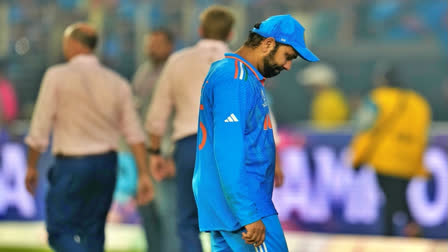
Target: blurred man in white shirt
x,y
179,90
87,107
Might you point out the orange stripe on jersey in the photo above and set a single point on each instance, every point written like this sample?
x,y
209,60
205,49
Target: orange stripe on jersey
x,y
202,107
236,65
236,70
265,124
204,135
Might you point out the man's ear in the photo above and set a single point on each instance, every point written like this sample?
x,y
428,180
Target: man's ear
x,y
267,45
230,36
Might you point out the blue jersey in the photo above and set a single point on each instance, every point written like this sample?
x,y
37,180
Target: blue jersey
x,y
234,172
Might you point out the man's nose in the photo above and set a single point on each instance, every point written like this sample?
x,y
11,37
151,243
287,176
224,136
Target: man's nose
x,y
287,65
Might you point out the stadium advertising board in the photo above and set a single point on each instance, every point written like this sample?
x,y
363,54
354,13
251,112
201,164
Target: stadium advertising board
x,y
321,193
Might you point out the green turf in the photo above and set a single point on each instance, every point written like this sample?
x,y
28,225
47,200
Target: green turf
x,y
6,249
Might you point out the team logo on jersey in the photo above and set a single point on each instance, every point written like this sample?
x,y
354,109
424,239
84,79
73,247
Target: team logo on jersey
x,y
231,118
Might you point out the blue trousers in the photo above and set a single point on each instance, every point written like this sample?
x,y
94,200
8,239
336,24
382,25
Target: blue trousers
x,y
187,213
78,200
223,241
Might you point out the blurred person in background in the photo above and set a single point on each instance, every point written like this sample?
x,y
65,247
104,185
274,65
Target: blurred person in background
x,y
87,106
9,106
179,89
329,108
158,215
235,163
158,46
124,206
392,128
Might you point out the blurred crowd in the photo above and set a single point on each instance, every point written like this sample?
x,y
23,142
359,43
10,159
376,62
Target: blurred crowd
x,y
30,37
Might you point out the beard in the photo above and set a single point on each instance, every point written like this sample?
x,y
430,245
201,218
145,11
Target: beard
x,y
270,68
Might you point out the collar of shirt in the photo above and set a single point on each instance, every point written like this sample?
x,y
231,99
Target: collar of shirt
x,y
85,59
157,68
207,43
253,69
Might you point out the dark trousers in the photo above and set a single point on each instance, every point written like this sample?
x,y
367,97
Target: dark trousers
x,y
78,200
394,190
187,215
158,218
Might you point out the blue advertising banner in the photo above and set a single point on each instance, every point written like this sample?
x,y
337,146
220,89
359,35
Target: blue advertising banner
x,y
321,192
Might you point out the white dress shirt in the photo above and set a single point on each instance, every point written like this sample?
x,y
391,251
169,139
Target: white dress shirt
x,y
87,106
179,88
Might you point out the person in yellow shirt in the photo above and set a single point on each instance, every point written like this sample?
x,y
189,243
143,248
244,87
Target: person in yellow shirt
x,y
391,136
329,108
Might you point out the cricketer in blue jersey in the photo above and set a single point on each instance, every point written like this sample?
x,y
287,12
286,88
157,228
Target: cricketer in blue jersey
x,y
234,172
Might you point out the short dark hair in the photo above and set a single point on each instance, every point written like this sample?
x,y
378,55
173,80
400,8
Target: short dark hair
x,y
255,39
89,40
390,73
166,32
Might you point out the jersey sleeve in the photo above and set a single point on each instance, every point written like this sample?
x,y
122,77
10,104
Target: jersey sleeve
x,y
232,101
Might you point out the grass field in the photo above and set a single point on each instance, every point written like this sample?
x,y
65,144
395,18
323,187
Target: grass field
x,y
16,249
31,237
119,238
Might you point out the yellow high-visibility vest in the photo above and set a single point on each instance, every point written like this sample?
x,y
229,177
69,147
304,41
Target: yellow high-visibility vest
x,y
396,142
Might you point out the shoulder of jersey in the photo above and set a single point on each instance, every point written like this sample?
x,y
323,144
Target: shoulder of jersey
x,y
229,68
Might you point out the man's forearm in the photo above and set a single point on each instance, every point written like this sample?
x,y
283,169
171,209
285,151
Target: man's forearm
x,y
139,152
33,157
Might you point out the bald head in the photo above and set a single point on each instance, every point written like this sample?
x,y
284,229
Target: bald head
x,y
79,38
83,33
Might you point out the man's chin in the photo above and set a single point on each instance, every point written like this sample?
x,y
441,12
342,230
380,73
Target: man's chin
x,y
272,74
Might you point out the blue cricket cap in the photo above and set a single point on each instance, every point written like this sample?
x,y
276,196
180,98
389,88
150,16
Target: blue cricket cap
x,y
286,30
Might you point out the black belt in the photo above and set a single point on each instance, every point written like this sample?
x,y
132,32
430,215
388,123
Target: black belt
x,y
65,156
